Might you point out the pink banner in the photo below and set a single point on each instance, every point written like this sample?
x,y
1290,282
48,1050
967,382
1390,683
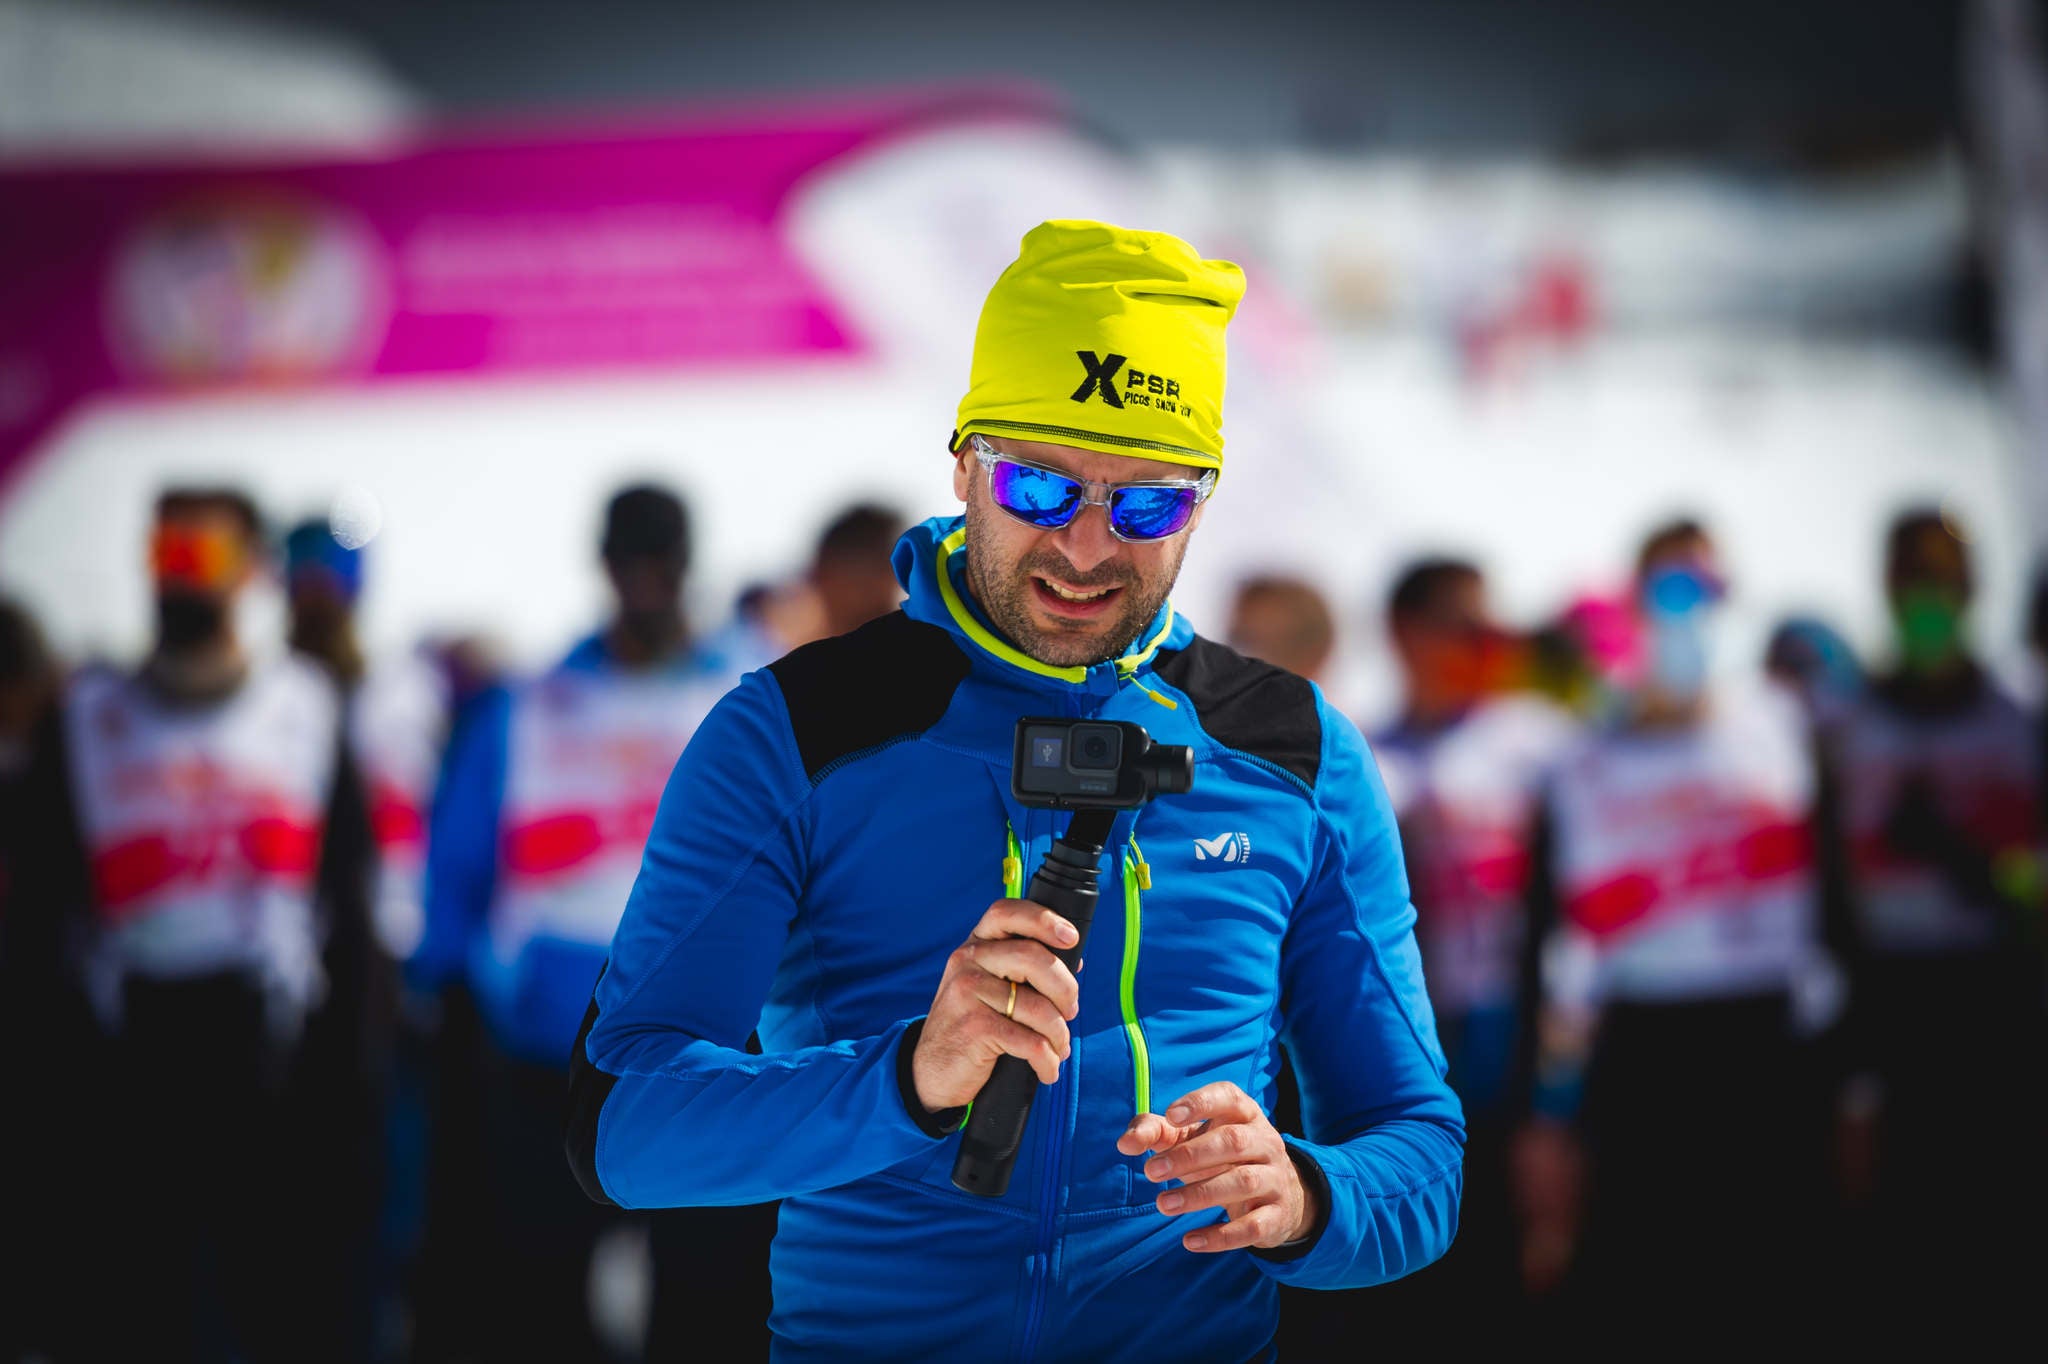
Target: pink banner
x,y
659,247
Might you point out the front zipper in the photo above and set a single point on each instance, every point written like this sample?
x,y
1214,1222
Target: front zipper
x,y
1048,1194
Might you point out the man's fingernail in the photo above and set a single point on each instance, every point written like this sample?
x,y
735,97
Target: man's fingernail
x,y
1159,1169
1171,1202
1177,1113
1066,932
1196,1241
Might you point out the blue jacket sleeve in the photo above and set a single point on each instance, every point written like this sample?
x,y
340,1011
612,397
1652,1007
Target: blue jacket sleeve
x,y
667,1108
1383,1130
462,840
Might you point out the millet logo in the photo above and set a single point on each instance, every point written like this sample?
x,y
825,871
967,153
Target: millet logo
x,y
1231,847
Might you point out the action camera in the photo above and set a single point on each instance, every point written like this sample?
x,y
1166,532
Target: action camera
x,y
1094,765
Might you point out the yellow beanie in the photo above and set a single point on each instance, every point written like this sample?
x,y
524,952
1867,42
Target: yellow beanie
x,y
1107,339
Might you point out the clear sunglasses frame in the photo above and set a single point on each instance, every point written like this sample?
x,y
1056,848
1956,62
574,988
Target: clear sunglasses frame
x,y
987,455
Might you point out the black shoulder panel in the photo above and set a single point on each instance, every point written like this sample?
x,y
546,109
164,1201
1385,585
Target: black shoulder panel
x,y
892,677
1251,706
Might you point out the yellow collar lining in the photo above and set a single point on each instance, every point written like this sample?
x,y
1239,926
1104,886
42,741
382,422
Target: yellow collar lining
x,y
980,634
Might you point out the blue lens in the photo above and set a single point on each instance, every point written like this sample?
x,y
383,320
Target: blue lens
x,y
1039,496
1677,591
1150,513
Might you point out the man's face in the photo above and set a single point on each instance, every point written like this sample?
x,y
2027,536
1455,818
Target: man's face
x,y
1694,558
318,601
201,551
1265,626
1449,649
1931,564
855,592
200,558
1076,595
647,586
1929,585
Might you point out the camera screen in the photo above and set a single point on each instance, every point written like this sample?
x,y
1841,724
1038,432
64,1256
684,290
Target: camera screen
x,y
1045,750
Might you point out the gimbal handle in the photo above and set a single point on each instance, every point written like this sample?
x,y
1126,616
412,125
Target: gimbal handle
x,y
1064,883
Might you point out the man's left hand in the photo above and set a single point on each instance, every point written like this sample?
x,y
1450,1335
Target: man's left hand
x,y
1227,1155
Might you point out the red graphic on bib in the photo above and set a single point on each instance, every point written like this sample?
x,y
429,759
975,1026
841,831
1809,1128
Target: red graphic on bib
x,y
233,840
1754,847
563,841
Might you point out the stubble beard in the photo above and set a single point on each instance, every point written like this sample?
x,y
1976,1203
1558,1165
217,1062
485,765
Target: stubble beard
x,y
1005,593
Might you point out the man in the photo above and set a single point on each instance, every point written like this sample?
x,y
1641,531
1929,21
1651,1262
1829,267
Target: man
x,y
1942,827
1687,940
39,1001
1811,660
547,797
396,717
220,860
1465,763
1283,621
826,854
847,583
850,571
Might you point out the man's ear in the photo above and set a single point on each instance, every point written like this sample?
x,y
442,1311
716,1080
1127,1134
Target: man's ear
x,y
964,465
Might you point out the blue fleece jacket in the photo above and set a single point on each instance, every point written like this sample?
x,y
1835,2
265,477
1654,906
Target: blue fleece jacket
x,y
835,829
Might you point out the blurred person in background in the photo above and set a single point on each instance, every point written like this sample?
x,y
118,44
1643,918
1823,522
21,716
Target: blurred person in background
x,y
1810,659
215,874
850,571
1941,812
1587,655
2037,644
40,1004
847,583
711,1264
545,801
1284,621
1675,1144
397,718
1464,763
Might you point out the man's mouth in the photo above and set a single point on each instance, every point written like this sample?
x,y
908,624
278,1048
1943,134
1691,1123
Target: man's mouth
x,y
1073,601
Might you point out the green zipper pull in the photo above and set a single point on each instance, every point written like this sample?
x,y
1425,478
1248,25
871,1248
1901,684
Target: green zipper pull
x,y
1137,877
1013,865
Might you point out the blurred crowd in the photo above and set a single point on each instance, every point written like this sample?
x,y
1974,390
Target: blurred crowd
x,y
1741,972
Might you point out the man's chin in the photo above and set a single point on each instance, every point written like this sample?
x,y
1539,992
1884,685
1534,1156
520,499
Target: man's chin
x,y
1064,644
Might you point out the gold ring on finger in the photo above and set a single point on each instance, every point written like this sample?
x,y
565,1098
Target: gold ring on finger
x,y
1010,1009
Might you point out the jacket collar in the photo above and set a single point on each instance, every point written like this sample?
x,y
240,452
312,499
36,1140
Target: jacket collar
x,y
930,562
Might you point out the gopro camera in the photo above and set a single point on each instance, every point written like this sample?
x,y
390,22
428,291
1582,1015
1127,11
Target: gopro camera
x,y
1094,765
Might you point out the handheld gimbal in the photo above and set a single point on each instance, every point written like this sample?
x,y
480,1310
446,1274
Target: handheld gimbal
x,y
1094,768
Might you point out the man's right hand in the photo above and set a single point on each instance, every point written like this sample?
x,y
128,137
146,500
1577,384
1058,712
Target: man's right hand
x,y
966,1031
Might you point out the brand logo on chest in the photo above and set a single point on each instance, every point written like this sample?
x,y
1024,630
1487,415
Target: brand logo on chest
x,y
1234,848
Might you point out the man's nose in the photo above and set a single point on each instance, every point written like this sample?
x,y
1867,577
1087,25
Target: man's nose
x,y
1086,540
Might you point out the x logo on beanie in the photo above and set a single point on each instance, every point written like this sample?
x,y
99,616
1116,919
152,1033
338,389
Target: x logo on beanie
x,y
1100,372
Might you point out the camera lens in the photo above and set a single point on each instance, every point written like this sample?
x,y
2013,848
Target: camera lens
x,y
1097,747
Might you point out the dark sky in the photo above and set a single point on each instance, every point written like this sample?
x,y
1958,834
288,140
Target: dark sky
x,y
1744,77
